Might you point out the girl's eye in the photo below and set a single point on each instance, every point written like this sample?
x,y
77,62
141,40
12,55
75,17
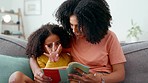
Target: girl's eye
x,y
58,43
50,45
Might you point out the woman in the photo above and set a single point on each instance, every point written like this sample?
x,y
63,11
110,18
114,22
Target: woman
x,y
93,44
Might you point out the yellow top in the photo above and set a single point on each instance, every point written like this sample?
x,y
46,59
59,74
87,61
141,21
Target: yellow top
x,y
44,61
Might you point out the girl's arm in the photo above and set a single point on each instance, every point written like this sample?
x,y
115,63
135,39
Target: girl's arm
x,y
33,64
39,77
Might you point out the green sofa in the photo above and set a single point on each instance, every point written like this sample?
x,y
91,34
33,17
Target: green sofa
x,y
13,58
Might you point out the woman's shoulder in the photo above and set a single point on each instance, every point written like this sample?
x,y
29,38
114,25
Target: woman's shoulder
x,y
111,34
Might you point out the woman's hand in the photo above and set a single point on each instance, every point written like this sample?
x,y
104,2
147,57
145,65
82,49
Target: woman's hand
x,y
91,77
94,77
39,77
53,53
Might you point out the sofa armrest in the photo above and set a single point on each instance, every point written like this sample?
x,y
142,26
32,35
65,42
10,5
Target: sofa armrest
x,y
12,46
136,67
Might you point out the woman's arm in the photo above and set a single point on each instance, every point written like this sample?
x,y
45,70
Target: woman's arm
x,y
117,75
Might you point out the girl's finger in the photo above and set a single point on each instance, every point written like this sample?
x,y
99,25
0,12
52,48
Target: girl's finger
x,y
51,59
38,78
47,79
59,48
46,54
49,50
53,47
57,57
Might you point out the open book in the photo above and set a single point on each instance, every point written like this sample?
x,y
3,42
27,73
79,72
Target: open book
x,y
60,74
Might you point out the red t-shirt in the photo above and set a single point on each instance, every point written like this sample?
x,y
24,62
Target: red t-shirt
x,y
99,57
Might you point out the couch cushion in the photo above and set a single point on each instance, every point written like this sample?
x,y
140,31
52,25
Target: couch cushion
x,y
12,46
136,66
9,64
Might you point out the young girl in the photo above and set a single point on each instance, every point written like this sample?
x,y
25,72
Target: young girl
x,y
45,45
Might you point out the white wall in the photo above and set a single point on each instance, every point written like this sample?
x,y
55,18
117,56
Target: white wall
x,y
33,22
125,10
122,11
48,9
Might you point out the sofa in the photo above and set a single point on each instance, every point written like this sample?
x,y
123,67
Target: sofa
x,y
13,58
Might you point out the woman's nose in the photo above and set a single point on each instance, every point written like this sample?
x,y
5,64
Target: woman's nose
x,y
74,29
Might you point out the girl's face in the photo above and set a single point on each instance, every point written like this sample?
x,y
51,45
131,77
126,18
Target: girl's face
x,y
52,41
74,26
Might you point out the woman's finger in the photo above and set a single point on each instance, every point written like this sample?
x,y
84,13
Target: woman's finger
x,y
80,72
83,77
74,77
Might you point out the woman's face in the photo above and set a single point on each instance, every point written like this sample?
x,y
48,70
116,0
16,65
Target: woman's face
x,y
74,26
52,41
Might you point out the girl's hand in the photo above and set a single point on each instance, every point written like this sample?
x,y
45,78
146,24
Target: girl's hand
x,y
39,77
53,53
